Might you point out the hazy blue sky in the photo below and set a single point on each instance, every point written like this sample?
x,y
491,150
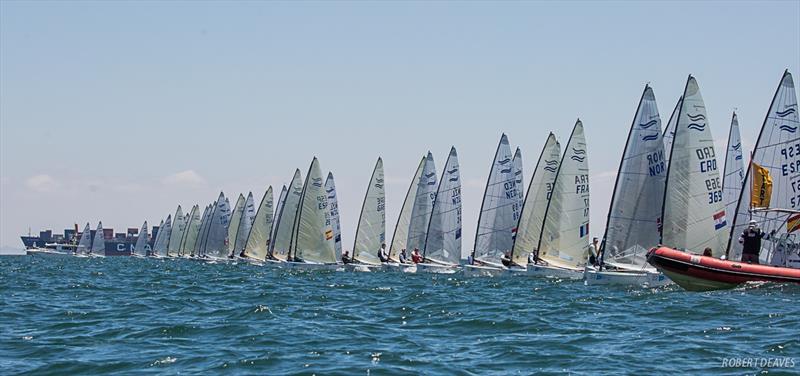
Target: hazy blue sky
x,y
118,111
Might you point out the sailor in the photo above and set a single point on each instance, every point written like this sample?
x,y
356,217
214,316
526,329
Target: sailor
x,y
403,257
751,242
382,255
594,252
506,259
707,252
532,257
416,257
346,257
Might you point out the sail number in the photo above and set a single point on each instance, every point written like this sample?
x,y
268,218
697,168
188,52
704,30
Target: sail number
x,y
381,203
581,184
714,189
655,162
511,189
707,157
791,167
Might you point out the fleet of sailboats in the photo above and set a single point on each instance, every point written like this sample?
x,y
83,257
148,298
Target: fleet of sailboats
x,y
669,191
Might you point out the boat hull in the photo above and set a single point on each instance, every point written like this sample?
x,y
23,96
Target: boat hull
x,y
310,266
401,268
701,273
483,271
593,276
362,268
546,271
437,269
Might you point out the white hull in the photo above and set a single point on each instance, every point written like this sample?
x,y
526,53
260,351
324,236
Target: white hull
x,y
310,266
437,269
45,251
483,271
545,271
398,267
625,278
363,268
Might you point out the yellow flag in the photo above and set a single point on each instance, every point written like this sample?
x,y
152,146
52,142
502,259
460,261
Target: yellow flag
x,y
762,187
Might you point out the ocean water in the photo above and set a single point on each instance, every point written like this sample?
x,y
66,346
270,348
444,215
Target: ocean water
x,y
64,315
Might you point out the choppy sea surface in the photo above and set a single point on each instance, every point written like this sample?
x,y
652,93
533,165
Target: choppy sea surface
x,y
66,315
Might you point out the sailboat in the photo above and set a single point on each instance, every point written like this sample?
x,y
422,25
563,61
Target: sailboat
x,y
99,242
141,247
400,236
769,196
497,221
534,207
442,250
284,225
233,226
312,242
162,239
197,251
634,218
422,209
371,230
190,235
214,245
333,207
258,240
176,233
733,174
564,240
85,242
245,224
669,131
519,182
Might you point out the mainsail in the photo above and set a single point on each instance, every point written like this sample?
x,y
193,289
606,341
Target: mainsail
x,y
201,235
497,219
141,247
158,235
371,230
333,207
776,157
443,240
519,181
217,232
693,211
245,224
565,234
164,232
312,239
233,226
192,229
85,243
531,220
286,218
404,219
176,234
634,218
258,240
99,242
276,218
423,206
669,131
733,174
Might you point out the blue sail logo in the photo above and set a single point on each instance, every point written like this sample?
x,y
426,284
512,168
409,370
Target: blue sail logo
x,y
651,137
788,128
648,124
790,110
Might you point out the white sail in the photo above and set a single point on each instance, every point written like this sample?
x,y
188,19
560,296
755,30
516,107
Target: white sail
x,y
85,242
777,150
333,207
159,234
99,241
215,242
176,234
694,212
165,231
534,207
634,218
496,220
246,223
141,247
286,219
371,230
233,226
201,234
312,239
257,244
192,229
565,234
404,219
423,206
443,240
520,183
669,131
733,174
276,219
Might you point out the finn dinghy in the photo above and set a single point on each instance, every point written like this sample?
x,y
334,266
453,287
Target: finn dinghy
x,y
399,249
312,245
497,221
769,196
141,247
371,230
333,207
285,222
442,249
85,242
564,240
258,240
634,218
99,242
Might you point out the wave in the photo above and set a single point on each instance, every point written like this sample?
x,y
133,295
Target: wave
x,y
506,171
697,126
550,163
551,169
696,117
788,128
579,151
785,113
648,124
651,137
737,146
577,158
453,171
504,161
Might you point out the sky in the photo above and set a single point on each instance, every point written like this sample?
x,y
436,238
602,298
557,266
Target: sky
x,y
119,111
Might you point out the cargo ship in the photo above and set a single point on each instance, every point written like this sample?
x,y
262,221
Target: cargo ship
x,y
116,244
